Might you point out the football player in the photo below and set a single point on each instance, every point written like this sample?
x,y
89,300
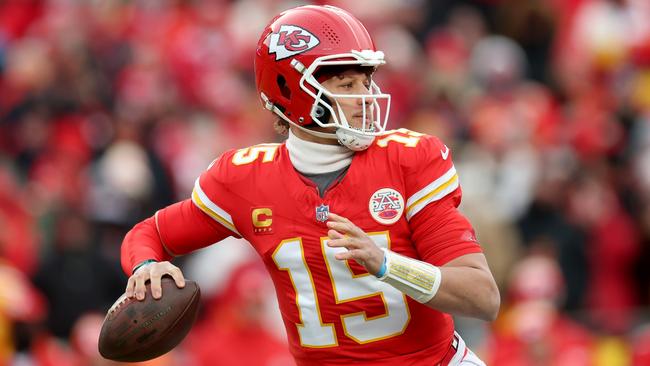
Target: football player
x,y
357,226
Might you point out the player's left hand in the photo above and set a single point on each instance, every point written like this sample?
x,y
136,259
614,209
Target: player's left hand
x,y
360,247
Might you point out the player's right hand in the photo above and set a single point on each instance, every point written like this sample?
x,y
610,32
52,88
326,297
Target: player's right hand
x,y
152,272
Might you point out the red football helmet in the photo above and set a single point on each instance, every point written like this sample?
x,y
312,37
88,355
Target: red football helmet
x,y
293,47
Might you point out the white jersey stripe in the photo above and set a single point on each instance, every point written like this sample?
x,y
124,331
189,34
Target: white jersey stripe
x,y
202,201
438,189
431,187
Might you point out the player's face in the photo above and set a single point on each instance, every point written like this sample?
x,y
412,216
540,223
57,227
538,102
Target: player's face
x,y
352,82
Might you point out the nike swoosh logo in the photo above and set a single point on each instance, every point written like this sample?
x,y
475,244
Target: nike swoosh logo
x,y
445,154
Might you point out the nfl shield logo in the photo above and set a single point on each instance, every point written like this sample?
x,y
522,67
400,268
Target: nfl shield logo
x,y
322,213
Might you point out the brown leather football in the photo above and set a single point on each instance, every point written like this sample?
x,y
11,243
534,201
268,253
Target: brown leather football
x,y
136,331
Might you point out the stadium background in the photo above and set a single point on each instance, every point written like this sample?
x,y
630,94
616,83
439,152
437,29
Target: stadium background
x,y
109,110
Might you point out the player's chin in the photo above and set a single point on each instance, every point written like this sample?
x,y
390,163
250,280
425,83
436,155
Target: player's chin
x,y
356,122
362,124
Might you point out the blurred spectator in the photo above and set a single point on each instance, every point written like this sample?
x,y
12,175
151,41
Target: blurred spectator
x,y
642,269
612,247
74,277
641,347
546,226
18,238
20,303
532,330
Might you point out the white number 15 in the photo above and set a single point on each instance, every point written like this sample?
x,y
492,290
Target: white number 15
x,y
289,256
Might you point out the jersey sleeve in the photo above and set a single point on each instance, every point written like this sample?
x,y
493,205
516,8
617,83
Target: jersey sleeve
x,y
212,193
142,242
439,231
188,225
174,230
429,174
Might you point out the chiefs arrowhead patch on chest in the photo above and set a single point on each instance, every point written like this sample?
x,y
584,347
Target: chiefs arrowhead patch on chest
x,y
386,206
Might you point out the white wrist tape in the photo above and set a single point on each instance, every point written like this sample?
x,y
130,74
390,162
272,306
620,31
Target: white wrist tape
x,y
417,279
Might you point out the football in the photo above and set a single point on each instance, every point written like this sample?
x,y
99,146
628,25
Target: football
x,y
136,331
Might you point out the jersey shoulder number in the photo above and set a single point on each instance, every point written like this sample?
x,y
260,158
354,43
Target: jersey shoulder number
x,y
237,165
426,164
402,136
413,148
262,153
218,189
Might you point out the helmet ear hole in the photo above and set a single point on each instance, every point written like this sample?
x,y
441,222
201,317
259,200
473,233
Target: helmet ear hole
x,y
284,89
322,113
319,111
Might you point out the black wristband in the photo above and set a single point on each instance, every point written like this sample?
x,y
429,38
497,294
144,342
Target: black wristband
x,y
144,262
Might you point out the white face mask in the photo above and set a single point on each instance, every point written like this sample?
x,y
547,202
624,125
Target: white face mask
x,y
373,122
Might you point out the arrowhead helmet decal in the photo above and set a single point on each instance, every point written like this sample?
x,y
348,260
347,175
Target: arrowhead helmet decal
x,y
291,40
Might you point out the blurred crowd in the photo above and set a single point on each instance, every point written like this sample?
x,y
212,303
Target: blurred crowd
x,y
109,109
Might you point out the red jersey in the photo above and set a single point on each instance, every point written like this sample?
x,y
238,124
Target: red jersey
x,y
403,192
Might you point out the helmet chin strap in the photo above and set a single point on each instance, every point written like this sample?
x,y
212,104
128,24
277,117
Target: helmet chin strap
x,y
325,135
351,140
271,107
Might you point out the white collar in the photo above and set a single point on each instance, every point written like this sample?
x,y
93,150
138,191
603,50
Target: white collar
x,y
314,158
